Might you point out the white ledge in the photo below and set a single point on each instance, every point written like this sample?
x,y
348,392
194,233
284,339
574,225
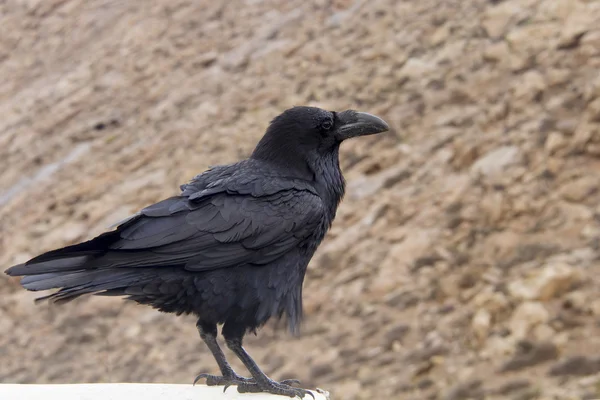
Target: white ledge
x,y
134,391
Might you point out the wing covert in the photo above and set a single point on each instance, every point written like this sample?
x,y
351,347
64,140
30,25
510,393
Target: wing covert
x,y
220,229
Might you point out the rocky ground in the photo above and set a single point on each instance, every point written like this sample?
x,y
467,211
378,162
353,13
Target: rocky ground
x,y
465,259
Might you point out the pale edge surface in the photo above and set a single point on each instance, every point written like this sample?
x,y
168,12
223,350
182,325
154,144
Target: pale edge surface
x,y
134,391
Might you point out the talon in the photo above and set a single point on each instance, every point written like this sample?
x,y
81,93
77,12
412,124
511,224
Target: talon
x,y
201,376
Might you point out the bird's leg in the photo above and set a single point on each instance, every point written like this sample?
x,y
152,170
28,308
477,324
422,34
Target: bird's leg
x,y
208,333
262,383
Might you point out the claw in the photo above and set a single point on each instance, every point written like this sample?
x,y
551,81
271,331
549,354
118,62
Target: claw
x,y
201,376
302,394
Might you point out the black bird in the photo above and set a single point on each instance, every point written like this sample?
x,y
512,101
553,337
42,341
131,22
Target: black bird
x,y
232,248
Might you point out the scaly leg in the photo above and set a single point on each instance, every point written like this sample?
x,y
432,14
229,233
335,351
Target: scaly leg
x,y
208,333
261,382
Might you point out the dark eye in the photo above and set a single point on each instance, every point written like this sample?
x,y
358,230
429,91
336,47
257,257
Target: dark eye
x,y
326,125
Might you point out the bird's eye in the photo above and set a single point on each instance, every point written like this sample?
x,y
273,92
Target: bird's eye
x,y
326,125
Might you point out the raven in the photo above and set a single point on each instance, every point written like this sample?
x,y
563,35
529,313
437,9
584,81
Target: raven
x,y
232,248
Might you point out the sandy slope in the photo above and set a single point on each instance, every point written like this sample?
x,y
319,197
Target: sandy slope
x,y
464,262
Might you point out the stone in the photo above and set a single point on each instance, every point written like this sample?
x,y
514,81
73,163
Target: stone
x,y
72,231
593,149
586,134
494,302
575,211
558,9
496,19
590,231
20,258
440,35
555,142
403,299
7,323
497,52
495,161
514,385
595,307
368,185
548,282
544,333
497,347
527,316
421,368
578,190
530,86
426,353
556,77
395,334
525,252
530,354
321,369
415,68
576,366
581,20
425,384
529,40
350,387
471,389
593,110
577,301
240,56
592,90
481,323
589,44
413,247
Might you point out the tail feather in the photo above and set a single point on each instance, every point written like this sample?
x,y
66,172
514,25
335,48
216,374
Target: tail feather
x,y
91,247
78,283
61,264
49,281
80,269
66,259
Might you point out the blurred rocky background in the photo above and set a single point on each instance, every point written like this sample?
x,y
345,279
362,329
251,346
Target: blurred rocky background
x,y
464,262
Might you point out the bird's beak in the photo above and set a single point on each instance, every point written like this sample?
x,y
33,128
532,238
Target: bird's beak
x,y
352,124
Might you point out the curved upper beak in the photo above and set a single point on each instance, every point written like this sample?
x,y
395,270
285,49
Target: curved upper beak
x,y
353,123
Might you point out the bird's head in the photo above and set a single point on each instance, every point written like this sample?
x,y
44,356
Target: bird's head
x,y
305,134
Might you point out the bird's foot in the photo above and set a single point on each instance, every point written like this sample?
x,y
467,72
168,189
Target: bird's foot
x,y
283,388
216,380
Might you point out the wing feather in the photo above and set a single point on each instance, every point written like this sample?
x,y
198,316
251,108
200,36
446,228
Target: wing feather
x,y
219,231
